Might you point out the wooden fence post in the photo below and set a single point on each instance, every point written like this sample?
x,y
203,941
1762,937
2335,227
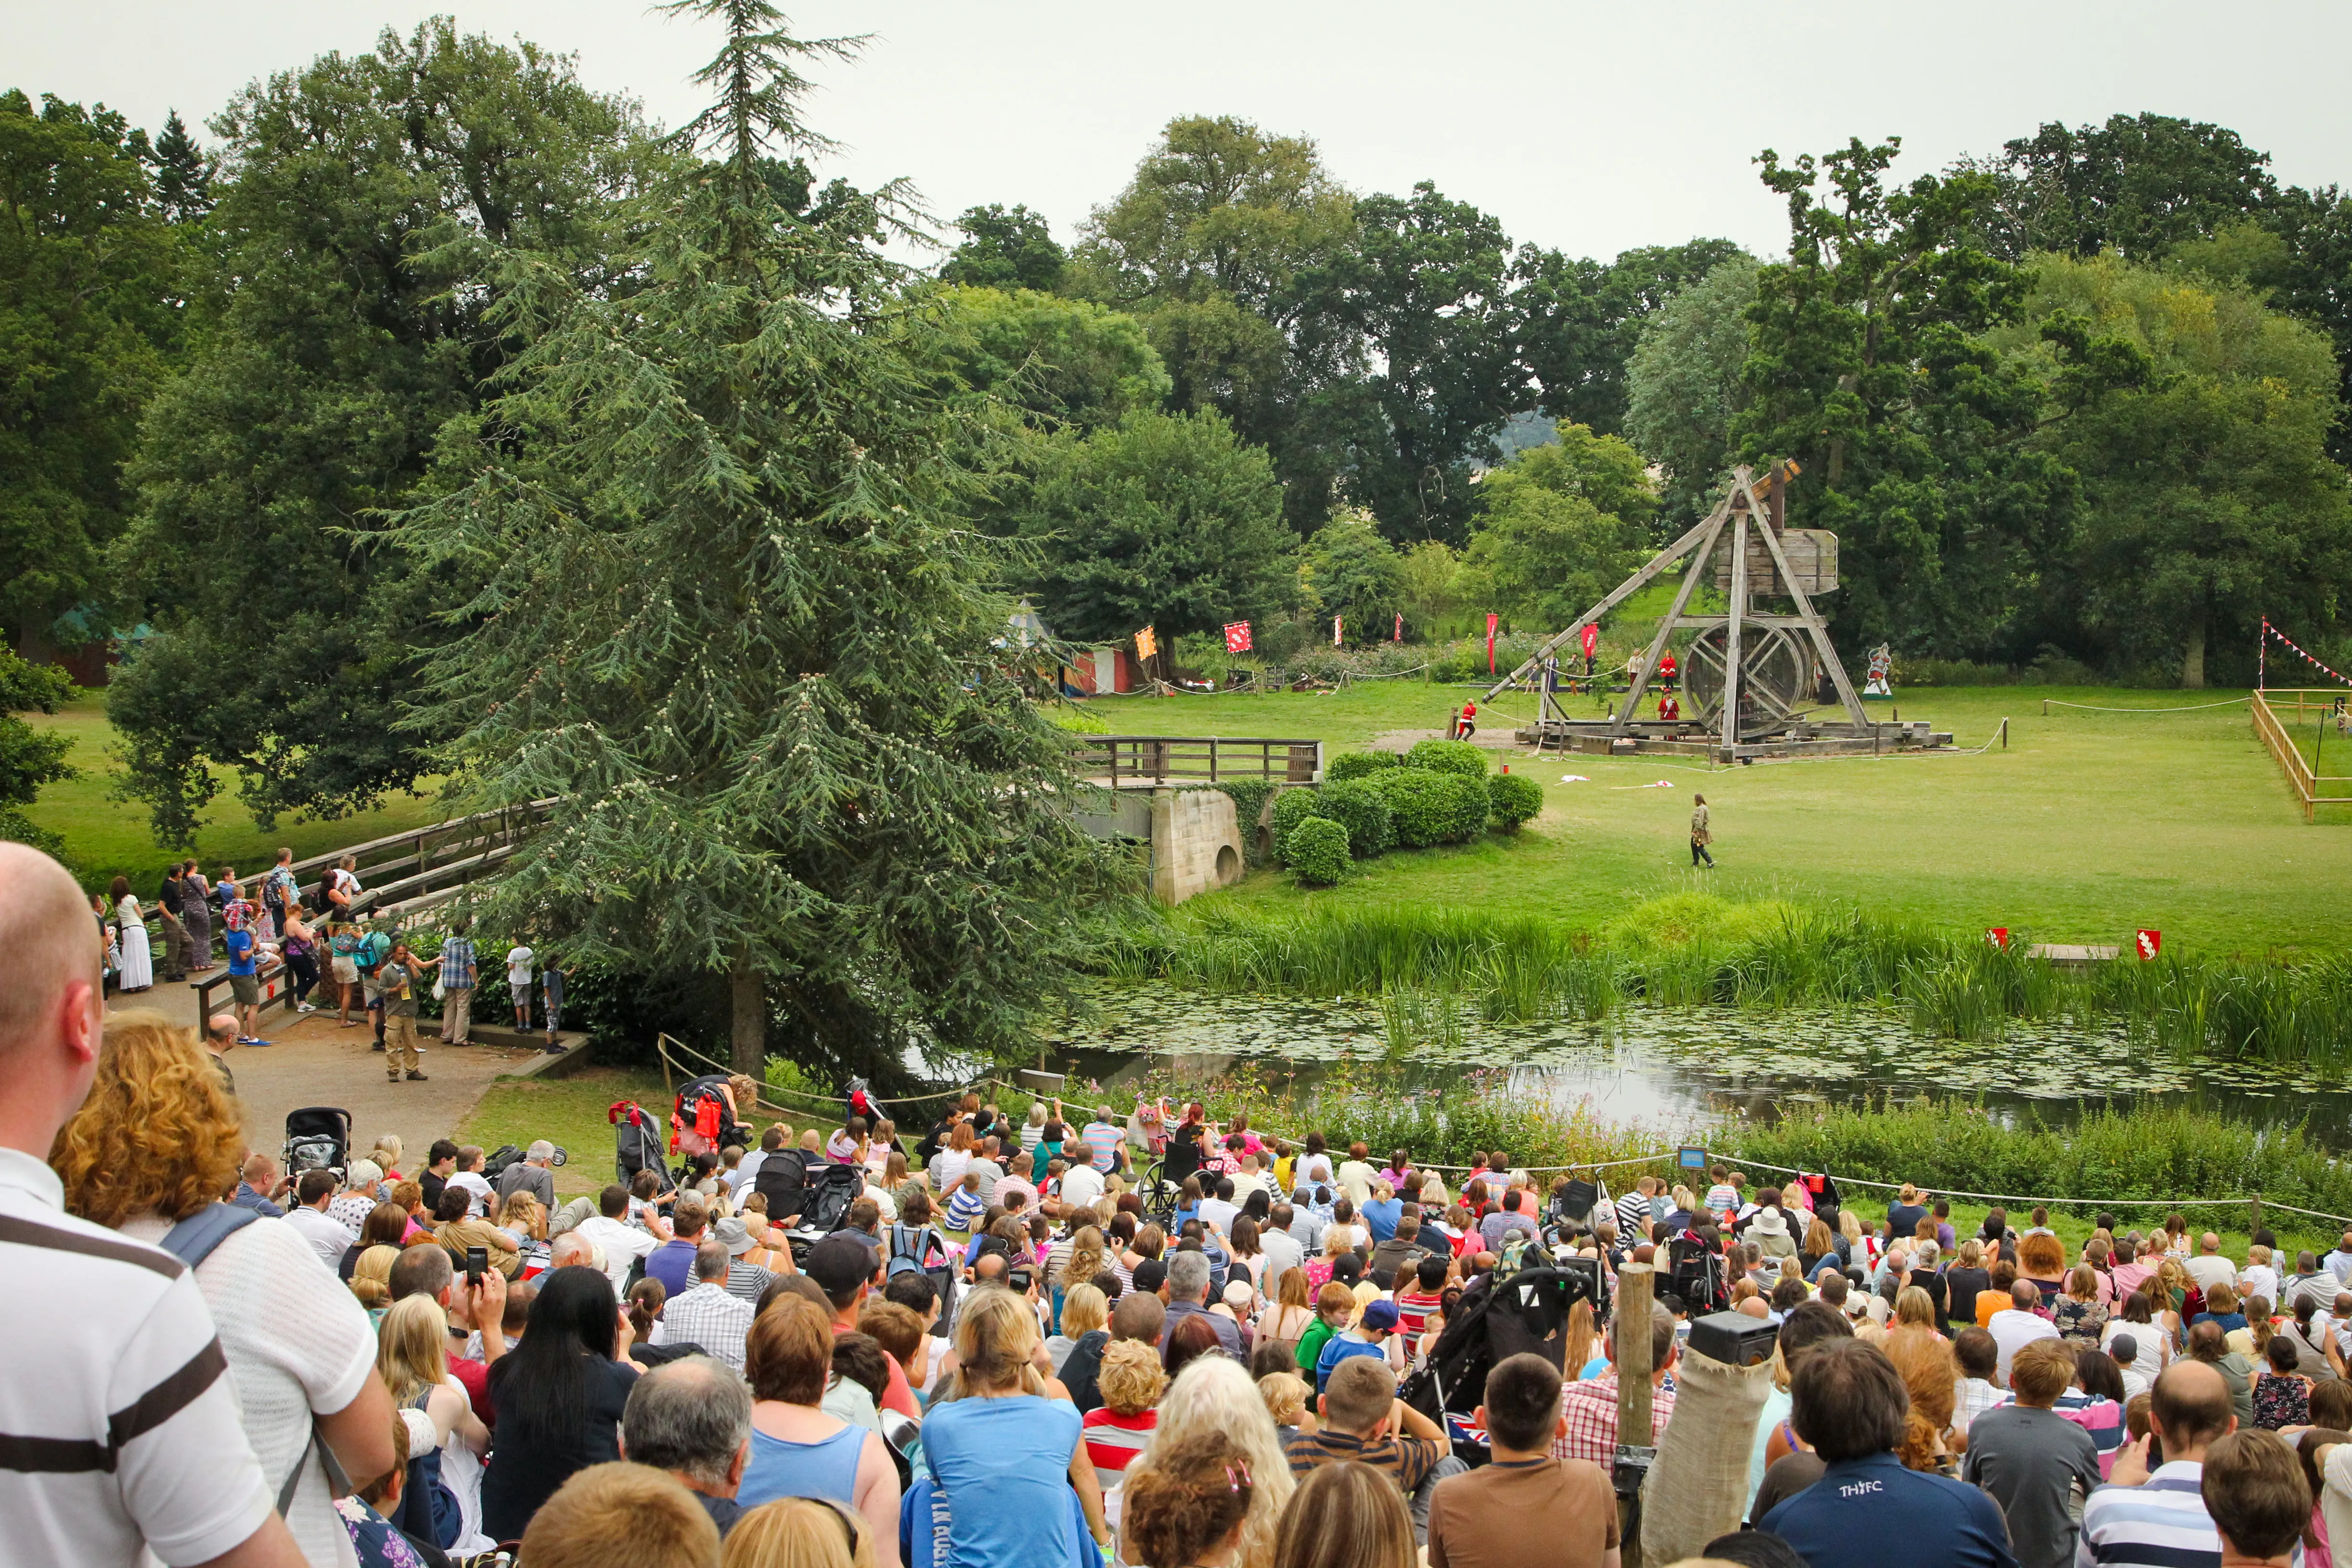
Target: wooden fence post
x,y
1634,1414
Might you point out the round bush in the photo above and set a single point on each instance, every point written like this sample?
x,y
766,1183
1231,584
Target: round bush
x,y
1419,805
1359,764
1447,757
1355,807
1464,802
1291,807
1513,798
1317,852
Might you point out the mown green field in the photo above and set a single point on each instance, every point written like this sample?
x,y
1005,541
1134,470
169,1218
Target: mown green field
x,y
106,838
2087,826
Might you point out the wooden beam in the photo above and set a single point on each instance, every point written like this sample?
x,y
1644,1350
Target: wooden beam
x,y
1731,675
1625,590
1641,681
1812,620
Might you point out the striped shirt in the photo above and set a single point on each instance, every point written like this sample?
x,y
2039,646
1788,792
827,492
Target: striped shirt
x,y
116,1427
2102,1418
965,1210
1721,1198
1114,1441
2161,1523
1632,1217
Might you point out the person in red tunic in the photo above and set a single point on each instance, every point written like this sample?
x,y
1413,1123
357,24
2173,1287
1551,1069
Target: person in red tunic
x,y
1668,707
1466,726
1666,668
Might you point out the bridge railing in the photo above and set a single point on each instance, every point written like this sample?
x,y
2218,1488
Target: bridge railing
x,y
1129,761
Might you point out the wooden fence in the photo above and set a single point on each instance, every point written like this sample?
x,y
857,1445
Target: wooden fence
x,y
401,876
1132,760
2282,716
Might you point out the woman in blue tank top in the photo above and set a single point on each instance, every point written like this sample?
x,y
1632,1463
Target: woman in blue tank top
x,y
1009,1459
798,1450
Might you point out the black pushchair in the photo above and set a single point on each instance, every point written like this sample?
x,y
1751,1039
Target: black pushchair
x,y
318,1138
636,1143
1528,1312
831,1189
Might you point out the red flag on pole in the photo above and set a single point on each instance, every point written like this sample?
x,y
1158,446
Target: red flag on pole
x,y
1237,637
1997,935
1492,619
2151,942
1400,628
1591,640
1335,632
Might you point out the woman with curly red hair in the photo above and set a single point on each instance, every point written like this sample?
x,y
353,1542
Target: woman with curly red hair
x,y
159,1141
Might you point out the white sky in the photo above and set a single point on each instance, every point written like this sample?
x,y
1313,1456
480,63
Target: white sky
x,y
1588,128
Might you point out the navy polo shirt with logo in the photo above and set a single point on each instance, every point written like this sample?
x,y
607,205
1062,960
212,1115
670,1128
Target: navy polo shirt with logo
x,y
1860,1509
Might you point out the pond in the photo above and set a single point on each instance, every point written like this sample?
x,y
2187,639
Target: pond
x,y
1672,1066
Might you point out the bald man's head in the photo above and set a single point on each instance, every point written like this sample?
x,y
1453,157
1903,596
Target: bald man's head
x,y
47,941
221,1029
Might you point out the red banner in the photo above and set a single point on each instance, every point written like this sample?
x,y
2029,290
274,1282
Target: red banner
x,y
2151,942
1591,640
1400,628
1237,638
1997,935
1492,619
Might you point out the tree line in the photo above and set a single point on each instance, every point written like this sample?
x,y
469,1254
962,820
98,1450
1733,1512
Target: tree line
x,y
2080,397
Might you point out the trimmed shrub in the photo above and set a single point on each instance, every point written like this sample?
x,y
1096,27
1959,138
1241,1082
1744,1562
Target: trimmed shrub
x,y
1513,798
1354,805
1317,852
1464,804
1447,757
1359,764
1291,807
1419,805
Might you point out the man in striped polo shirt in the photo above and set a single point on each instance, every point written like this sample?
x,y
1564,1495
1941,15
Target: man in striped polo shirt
x,y
119,1430
2159,1517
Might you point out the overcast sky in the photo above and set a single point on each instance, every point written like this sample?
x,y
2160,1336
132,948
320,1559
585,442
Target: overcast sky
x,y
1588,128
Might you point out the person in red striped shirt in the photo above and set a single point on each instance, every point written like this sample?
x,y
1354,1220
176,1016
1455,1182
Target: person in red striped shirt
x,y
1131,1383
1423,1295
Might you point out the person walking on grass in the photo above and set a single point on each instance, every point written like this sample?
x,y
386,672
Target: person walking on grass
x,y
1702,835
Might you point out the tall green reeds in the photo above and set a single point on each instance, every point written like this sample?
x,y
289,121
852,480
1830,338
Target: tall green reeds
x,y
1693,951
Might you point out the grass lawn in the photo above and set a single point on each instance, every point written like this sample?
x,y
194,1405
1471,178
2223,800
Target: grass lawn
x,y
570,1111
2086,826
106,838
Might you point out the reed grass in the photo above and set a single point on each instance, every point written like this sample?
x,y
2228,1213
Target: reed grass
x,y
1694,950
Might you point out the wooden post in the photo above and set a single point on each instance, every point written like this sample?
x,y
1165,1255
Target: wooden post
x,y
1700,557
1731,682
2258,1215
1634,1414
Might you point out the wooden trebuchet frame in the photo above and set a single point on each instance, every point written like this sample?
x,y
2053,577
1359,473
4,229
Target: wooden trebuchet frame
x,y
1744,502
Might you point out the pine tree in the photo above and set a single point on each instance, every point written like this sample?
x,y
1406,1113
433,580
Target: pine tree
x,y
729,622
184,175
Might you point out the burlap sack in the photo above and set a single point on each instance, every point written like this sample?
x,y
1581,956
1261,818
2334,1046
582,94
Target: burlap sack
x,y
1698,1487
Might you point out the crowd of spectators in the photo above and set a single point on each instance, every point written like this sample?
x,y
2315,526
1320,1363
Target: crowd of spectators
x,y
1008,1352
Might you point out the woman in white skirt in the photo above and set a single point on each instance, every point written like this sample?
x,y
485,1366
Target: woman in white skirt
x,y
138,970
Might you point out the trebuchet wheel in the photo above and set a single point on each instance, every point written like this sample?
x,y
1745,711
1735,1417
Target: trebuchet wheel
x,y
1773,668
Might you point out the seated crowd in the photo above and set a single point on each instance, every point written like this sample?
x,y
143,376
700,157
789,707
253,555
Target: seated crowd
x,y
1003,1350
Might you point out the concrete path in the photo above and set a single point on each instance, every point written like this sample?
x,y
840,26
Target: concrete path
x,y
313,1061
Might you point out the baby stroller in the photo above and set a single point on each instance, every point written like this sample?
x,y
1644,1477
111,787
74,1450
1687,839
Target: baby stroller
x,y
1528,1312
636,1143
318,1138
832,1188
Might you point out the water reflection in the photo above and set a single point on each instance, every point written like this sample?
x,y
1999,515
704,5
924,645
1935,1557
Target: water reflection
x,y
1662,1066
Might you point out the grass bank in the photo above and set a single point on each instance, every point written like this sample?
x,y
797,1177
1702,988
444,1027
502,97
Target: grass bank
x,y
106,838
1696,949
2088,826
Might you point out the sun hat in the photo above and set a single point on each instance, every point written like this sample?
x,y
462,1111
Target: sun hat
x,y
735,1234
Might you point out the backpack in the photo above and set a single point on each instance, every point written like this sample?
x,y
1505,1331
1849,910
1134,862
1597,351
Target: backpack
x,y
372,950
925,1252
1513,1258
496,1165
192,1241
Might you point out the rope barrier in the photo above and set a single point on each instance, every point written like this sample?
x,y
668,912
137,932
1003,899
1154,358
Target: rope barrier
x,y
662,1041
2050,702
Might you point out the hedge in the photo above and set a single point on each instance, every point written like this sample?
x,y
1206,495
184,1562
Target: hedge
x,y
1359,764
1419,804
1465,806
1317,852
1513,798
1357,807
1447,757
1291,807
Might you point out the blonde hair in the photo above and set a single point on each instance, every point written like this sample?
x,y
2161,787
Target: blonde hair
x,y
386,1153
1086,1261
1131,1380
1084,1308
371,1275
525,1211
1347,1516
412,1351
620,1516
1284,1394
1213,1394
158,1133
995,1335
1914,1305
794,1532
